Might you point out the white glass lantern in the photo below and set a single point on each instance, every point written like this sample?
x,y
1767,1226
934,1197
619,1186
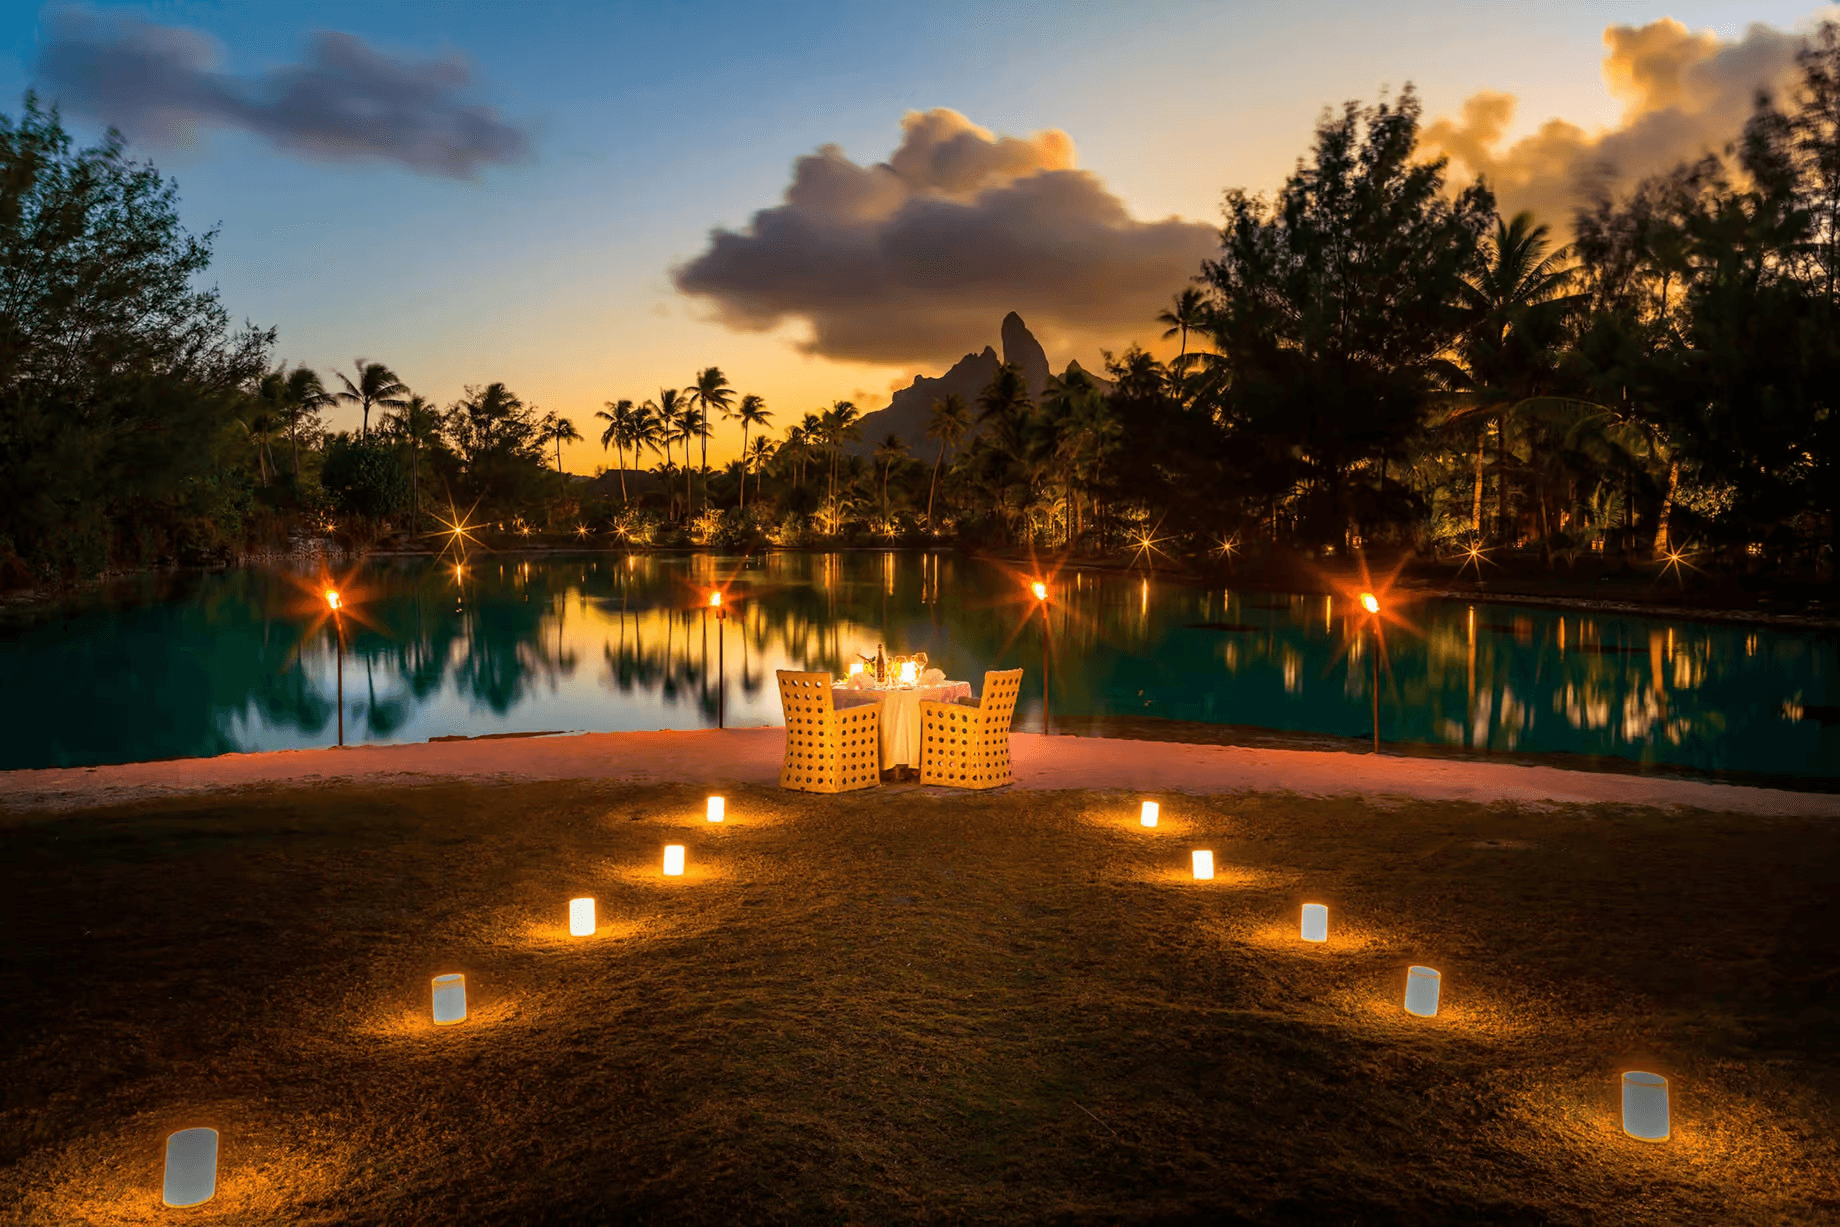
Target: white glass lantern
x,y
910,673
191,1167
1151,809
1315,922
581,918
1645,1106
1204,866
673,860
717,809
449,1000
1422,991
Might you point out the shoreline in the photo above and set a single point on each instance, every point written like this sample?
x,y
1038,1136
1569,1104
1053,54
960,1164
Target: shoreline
x,y
735,757
40,598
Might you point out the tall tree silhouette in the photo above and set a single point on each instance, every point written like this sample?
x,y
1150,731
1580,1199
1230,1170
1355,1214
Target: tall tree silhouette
x,y
752,411
377,385
709,392
949,420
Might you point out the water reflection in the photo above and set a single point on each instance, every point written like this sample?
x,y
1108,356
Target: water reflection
x,y
206,665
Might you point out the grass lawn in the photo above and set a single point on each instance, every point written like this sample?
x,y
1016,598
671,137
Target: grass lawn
x,y
911,1005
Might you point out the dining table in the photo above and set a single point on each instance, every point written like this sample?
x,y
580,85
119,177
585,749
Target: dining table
x,y
900,712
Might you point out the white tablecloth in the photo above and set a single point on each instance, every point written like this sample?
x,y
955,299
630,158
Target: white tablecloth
x,y
901,715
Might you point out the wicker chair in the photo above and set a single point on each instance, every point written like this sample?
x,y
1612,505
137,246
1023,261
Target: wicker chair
x,y
827,750
968,747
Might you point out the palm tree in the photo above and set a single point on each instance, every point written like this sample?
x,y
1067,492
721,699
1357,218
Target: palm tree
x,y
758,455
418,420
887,452
1517,294
710,391
752,411
305,397
558,430
674,412
839,423
619,418
951,418
377,385
1187,314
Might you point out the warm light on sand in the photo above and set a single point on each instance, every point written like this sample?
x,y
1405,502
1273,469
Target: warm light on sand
x,y
1204,866
1422,991
1148,817
449,1000
1645,1106
673,860
581,918
191,1167
718,809
1369,603
1315,922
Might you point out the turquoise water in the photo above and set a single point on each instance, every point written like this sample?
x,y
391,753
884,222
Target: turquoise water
x,y
250,660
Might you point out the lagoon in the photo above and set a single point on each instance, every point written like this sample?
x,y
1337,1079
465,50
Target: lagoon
x,y
180,666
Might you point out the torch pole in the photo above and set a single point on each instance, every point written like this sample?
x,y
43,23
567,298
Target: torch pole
x,y
1376,684
338,637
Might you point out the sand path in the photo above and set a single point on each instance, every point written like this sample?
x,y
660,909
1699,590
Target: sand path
x,y
752,756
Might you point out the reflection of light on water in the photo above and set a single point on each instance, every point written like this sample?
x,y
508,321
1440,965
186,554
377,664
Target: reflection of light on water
x,y
1293,670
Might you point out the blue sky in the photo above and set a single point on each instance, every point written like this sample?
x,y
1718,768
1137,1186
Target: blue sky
x,y
652,123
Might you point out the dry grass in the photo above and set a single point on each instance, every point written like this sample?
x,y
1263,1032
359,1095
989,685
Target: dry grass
x,y
912,1006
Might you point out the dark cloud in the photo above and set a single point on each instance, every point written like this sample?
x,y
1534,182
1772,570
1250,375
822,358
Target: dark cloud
x,y
916,259
1684,95
160,84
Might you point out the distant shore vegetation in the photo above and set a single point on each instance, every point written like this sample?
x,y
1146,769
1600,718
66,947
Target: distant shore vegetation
x,y
1374,358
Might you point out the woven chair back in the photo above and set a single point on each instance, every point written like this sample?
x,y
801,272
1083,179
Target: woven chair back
x,y
827,750
968,747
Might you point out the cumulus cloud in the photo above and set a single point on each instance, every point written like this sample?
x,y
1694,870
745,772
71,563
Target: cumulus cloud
x,y
1684,95
160,84
918,258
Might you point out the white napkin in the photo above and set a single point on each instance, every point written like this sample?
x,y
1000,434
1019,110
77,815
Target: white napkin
x,y
932,677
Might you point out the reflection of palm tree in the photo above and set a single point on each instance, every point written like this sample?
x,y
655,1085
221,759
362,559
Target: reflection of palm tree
x,y
951,418
377,385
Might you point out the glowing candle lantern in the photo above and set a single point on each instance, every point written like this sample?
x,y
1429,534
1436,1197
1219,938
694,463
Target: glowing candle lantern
x,y
191,1167
581,918
449,1000
1204,866
1151,809
1422,991
1645,1106
673,860
855,667
717,809
1315,922
910,673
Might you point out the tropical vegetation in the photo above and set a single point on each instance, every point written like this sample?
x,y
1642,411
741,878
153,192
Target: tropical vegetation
x,y
1374,357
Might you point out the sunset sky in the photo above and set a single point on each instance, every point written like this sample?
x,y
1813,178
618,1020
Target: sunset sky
x,y
544,191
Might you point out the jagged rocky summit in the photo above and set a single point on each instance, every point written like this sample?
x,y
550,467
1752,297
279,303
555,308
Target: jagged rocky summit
x,y
908,413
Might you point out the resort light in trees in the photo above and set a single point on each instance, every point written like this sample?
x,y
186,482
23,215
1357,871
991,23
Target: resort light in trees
x,y
717,809
1148,817
581,918
1315,922
449,1000
1645,1106
191,1167
673,860
1204,865
1422,991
